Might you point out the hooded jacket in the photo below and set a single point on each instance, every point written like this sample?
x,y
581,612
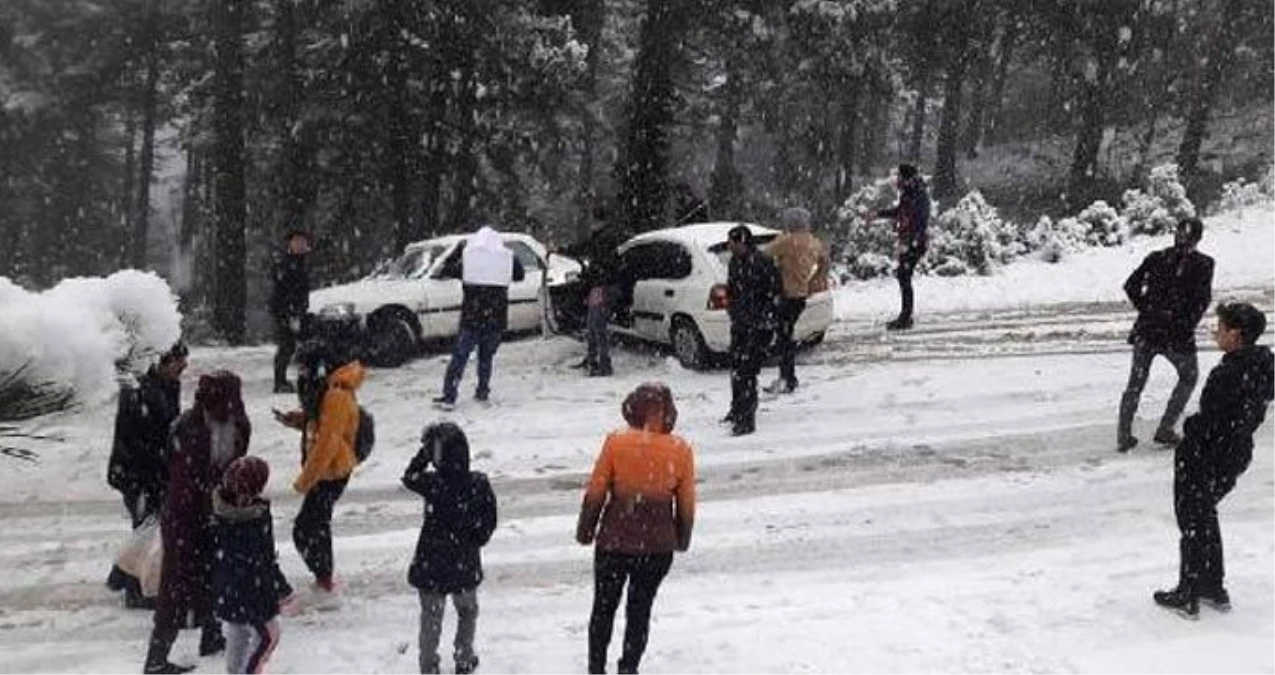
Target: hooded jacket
x,y
911,215
459,519
142,423
802,261
247,583
329,450
1171,290
1232,406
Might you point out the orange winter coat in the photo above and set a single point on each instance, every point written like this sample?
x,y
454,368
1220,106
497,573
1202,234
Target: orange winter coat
x,y
802,261
643,492
329,453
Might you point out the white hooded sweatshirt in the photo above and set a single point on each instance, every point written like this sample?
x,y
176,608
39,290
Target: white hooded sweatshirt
x,y
486,261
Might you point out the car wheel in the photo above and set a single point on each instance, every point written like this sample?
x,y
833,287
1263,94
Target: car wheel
x,y
688,344
393,341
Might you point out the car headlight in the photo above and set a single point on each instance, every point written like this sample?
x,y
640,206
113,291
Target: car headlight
x,y
340,310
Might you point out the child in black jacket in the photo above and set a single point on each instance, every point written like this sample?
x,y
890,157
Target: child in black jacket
x,y
247,583
460,516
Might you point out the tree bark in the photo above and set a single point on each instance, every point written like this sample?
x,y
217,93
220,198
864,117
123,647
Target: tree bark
x,y
230,211
590,18
292,200
723,194
1204,88
847,120
146,160
130,180
1004,57
644,164
945,178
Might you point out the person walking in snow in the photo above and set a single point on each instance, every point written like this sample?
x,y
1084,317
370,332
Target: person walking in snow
x,y
803,269
137,470
328,381
289,303
247,583
602,276
1171,290
205,440
487,269
752,283
460,517
1215,450
911,216
638,509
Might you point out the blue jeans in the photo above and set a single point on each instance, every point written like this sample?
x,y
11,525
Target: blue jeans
x,y
599,314
487,340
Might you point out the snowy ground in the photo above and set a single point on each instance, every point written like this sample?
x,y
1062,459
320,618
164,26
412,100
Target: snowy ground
x,y
942,500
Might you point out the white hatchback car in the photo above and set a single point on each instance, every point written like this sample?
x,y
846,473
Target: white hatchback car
x,y
679,293
416,297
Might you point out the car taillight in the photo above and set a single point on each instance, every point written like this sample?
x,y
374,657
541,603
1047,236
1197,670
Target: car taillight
x,y
718,297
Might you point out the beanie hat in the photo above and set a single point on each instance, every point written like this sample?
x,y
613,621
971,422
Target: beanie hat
x,y
795,217
245,478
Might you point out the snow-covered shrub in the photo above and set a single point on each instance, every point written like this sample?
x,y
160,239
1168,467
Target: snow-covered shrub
x,y
1159,208
1102,225
867,244
1239,193
1054,241
73,334
972,234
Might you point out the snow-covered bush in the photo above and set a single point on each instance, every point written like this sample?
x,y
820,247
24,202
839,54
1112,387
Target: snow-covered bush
x,y
1159,208
1240,193
73,334
1102,225
971,237
867,244
1053,241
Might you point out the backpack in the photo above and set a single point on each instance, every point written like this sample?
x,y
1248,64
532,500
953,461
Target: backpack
x,y
365,437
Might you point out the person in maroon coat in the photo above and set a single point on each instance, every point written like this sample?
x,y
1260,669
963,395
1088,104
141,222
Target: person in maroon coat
x,y
204,441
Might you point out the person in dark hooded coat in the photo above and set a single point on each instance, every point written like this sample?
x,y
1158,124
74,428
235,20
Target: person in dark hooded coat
x,y
460,517
205,440
1215,450
752,285
911,220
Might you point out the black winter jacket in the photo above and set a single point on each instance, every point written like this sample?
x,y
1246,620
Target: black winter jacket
x,y
1171,291
460,517
484,307
911,215
290,295
139,453
1232,406
752,282
247,582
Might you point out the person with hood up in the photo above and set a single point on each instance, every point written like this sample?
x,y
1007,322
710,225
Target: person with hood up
x,y
328,381
752,282
803,269
460,517
911,218
1215,450
1171,290
205,440
247,583
137,469
638,508
487,269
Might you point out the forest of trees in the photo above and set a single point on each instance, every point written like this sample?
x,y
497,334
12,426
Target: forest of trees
x,y
374,123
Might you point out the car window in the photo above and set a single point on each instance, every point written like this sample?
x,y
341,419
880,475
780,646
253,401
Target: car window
x,y
657,260
530,261
413,263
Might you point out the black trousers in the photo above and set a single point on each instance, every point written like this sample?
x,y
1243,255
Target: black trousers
x,y
907,264
286,342
786,315
611,571
312,530
748,347
1197,490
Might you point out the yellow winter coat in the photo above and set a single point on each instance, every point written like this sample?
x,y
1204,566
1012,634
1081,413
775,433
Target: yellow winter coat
x,y
330,451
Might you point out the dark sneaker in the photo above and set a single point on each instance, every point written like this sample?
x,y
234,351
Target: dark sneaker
x,y
601,371
166,668
900,323
133,599
481,396
211,643
584,363
742,429
284,388
117,580
465,667
1127,444
1167,437
781,386
729,419
1219,600
1182,602
444,403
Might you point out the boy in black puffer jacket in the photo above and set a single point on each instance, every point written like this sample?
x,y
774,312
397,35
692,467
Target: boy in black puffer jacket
x,y
460,516
248,585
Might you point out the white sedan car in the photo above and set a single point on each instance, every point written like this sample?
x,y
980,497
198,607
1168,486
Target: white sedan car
x,y
416,297
679,293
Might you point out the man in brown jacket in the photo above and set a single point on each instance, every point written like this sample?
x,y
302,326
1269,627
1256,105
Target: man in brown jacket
x,y
803,269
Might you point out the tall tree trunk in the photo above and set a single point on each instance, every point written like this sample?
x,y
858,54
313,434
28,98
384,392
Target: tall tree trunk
x,y
918,119
590,18
1084,163
406,227
1004,57
130,178
465,178
644,163
847,121
723,194
230,288
437,160
292,201
146,160
946,183
978,101
1202,91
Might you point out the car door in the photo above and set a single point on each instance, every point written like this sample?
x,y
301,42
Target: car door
x,y
444,292
524,295
659,270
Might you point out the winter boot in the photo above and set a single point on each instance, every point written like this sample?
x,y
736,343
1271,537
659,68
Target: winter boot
x,y
742,428
901,323
1217,598
464,667
1167,437
157,653
1126,444
117,580
211,641
1183,602
134,599
444,403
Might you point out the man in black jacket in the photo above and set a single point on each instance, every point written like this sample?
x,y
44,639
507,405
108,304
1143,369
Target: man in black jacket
x,y
601,275
1216,449
911,219
137,468
1171,290
752,284
289,302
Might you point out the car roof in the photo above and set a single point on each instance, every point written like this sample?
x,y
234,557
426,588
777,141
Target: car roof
x,y
700,235
449,239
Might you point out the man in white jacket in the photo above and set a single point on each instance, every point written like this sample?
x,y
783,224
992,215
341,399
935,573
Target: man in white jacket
x,y
487,269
